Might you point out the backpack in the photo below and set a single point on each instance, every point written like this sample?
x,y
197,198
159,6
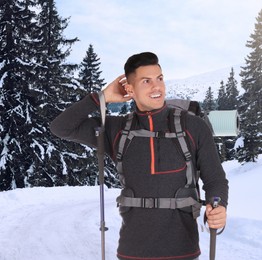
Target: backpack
x,y
186,198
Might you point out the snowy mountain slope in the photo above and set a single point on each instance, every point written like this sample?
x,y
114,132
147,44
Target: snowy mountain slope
x,y
195,87
62,223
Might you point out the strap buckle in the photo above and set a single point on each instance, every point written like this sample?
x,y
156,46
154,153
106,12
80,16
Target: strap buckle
x,y
188,156
150,203
160,134
125,132
119,156
181,134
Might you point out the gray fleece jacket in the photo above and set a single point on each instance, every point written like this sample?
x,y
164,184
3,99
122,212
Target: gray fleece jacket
x,y
152,167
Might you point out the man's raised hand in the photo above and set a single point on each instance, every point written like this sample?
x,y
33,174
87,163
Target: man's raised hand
x,y
115,92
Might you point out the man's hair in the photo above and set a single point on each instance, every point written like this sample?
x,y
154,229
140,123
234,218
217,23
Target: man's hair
x,y
140,59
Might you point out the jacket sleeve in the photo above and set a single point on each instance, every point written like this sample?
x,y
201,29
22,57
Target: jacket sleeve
x,y
78,124
75,123
208,162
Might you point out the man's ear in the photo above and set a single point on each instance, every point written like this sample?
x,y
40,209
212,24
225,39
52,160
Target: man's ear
x,y
129,89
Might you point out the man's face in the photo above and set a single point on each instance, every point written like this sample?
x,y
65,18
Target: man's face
x,y
147,87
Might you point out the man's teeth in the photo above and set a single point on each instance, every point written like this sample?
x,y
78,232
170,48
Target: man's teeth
x,y
155,95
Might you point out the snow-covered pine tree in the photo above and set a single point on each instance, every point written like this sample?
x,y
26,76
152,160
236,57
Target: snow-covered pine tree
x,y
221,96
35,86
17,23
232,92
209,103
250,107
63,163
91,81
89,74
124,109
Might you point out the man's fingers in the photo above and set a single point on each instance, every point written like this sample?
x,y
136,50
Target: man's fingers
x,y
121,78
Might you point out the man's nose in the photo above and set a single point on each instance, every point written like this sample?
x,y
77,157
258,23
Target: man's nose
x,y
155,85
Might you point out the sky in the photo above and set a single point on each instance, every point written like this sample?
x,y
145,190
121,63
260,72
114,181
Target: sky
x,y
190,37
62,223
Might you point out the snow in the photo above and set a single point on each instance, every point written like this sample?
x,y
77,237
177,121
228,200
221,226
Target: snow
x,y
62,223
195,87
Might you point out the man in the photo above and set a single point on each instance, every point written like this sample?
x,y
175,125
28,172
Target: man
x,y
151,167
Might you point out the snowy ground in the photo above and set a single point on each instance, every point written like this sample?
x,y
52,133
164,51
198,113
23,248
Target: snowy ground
x,y
63,223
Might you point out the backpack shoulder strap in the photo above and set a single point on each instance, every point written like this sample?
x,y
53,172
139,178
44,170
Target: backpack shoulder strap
x,y
181,136
121,146
124,135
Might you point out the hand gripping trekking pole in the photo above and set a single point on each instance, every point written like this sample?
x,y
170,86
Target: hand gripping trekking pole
x,y
213,232
100,131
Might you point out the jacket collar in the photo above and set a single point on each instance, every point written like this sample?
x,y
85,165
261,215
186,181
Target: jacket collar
x,y
159,118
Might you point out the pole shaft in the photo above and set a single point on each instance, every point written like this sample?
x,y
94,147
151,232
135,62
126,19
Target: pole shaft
x,y
213,236
100,156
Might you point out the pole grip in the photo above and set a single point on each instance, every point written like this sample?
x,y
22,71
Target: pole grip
x,y
99,131
213,231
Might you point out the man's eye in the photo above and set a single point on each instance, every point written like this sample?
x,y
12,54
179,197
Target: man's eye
x,y
161,78
146,81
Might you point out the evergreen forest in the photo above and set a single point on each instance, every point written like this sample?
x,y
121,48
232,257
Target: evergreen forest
x,y
37,82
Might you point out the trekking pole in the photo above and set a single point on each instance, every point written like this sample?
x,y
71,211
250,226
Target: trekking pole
x,y
213,232
100,131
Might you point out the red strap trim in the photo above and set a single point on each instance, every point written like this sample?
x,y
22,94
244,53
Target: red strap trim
x,y
191,138
172,171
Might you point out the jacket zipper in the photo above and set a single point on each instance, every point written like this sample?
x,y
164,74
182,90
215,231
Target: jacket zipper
x,y
152,150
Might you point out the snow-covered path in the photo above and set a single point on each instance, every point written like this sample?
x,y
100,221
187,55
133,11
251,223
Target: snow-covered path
x,y
52,223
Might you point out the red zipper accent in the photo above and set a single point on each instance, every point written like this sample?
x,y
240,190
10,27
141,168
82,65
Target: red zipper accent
x,y
152,150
